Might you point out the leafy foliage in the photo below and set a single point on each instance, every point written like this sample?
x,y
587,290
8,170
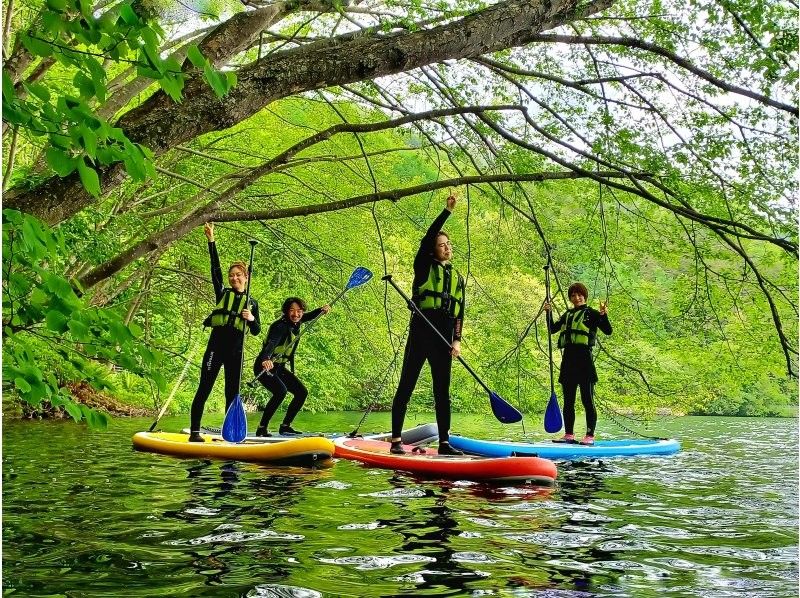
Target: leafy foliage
x,y
50,334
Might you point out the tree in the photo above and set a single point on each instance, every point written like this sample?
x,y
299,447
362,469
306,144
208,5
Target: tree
x,y
689,108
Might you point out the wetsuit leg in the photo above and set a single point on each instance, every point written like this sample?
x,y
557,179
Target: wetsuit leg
x,y
441,367
413,358
300,392
587,398
278,389
569,389
233,374
212,361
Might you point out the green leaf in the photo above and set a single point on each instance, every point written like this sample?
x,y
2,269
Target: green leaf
x,y
38,90
57,5
89,178
36,46
83,84
62,163
127,15
195,56
22,385
73,409
172,86
8,88
89,140
79,330
56,321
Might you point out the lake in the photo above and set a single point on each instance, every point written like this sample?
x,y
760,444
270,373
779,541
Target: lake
x,y
85,515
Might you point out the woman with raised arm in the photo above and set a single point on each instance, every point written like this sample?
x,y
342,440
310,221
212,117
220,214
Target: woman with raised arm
x,y
227,321
438,291
578,327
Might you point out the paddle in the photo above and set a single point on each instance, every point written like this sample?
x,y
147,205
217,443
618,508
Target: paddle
x,y
502,410
174,387
552,415
359,276
234,426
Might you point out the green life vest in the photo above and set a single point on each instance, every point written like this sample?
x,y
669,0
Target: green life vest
x,y
442,290
575,331
225,314
283,352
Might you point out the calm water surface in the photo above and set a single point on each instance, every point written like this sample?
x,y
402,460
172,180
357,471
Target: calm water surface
x,y
85,515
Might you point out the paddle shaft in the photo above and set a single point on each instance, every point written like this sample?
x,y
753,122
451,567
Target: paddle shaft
x,y
547,318
331,304
253,244
174,388
413,307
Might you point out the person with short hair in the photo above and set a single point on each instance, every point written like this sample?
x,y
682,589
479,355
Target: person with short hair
x,y
227,321
578,327
277,351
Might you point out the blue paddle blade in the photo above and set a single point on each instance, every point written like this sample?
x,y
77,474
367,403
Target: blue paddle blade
x,y
234,428
504,412
552,416
359,276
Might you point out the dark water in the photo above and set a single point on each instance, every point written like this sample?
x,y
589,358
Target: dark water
x,y
84,515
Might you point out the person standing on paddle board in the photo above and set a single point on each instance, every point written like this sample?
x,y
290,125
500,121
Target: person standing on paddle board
x,y
227,322
578,327
439,294
278,350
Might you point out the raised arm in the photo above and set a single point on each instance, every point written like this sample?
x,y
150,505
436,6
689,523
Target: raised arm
x,y
216,269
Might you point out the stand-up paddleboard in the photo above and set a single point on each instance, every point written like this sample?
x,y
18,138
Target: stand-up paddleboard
x,y
427,462
298,451
422,434
560,450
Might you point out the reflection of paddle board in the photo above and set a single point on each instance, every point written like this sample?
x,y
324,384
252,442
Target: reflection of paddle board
x,y
298,451
421,434
429,463
558,450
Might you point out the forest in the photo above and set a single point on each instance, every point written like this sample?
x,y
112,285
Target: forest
x,y
647,149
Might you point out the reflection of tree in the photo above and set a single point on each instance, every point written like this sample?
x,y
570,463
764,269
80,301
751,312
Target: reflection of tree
x,y
428,532
218,505
580,481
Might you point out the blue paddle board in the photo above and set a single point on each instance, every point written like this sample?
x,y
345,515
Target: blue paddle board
x,y
558,450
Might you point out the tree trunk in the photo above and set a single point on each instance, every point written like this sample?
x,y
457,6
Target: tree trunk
x,y
161,124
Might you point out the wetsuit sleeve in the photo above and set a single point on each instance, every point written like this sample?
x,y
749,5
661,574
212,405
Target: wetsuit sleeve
x,y
277,331
216,270
255,325
311,315
422,261
554,326
602,322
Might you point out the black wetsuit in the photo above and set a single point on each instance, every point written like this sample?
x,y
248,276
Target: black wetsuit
x,y
577,368
282,379
424,344
224,349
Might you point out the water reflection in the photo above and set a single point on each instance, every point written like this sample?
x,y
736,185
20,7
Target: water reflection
x,y
718,519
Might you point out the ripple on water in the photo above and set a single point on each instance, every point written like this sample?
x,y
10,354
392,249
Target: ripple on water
x,y
420,577
552,539
397,493
370,525
379,562
280,591
335,484
473,557
236,538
